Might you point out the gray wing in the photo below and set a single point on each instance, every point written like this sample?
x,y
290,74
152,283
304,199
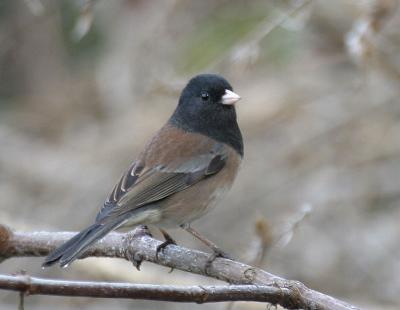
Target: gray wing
x,y
142,185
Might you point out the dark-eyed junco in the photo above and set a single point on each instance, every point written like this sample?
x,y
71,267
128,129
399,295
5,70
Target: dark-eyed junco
x,y
185,169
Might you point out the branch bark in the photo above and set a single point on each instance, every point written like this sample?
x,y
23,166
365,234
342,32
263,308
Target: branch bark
x,y
199,294
138,245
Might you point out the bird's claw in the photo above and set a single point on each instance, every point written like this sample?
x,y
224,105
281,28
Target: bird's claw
x,y
136,259
162,246
168,240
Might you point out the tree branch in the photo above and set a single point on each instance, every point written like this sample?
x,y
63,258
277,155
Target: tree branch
x,y
199,294
138,245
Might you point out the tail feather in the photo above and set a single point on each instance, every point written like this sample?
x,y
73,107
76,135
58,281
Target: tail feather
x,y
73,248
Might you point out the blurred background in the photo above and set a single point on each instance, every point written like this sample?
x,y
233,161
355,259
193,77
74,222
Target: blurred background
x,y
84,84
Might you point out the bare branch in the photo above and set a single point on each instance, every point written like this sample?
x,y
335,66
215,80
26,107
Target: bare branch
x,y
178,293
139,245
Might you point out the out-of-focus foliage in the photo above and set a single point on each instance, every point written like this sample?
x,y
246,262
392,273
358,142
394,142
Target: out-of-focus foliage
x,y
219,32
81,50
84,84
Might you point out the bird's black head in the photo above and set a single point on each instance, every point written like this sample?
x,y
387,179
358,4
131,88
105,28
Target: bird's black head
x,y
206,106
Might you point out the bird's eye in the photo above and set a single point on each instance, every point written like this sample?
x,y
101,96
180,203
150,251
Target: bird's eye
x,y
204,95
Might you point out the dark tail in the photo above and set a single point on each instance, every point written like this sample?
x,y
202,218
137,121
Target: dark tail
x,y
70,250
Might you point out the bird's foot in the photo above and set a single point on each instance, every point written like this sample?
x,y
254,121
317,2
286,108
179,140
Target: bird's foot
x,y
162,246
136,258
168,241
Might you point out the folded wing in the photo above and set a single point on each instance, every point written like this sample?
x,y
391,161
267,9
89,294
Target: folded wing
x,y
142,185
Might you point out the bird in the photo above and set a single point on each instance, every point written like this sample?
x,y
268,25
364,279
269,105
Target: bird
x,y
184,170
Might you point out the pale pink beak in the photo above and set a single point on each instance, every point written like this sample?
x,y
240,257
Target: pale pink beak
x,y
230,97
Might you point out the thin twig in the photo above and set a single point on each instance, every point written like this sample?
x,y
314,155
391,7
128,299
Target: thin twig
x,y
177,293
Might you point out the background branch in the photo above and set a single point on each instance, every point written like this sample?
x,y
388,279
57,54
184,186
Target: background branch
x,y
138,245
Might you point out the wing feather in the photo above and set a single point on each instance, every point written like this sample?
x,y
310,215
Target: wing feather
x,y
142,185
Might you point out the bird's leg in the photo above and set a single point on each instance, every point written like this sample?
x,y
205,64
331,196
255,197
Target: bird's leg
x,y
217,252
207,242
168,241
